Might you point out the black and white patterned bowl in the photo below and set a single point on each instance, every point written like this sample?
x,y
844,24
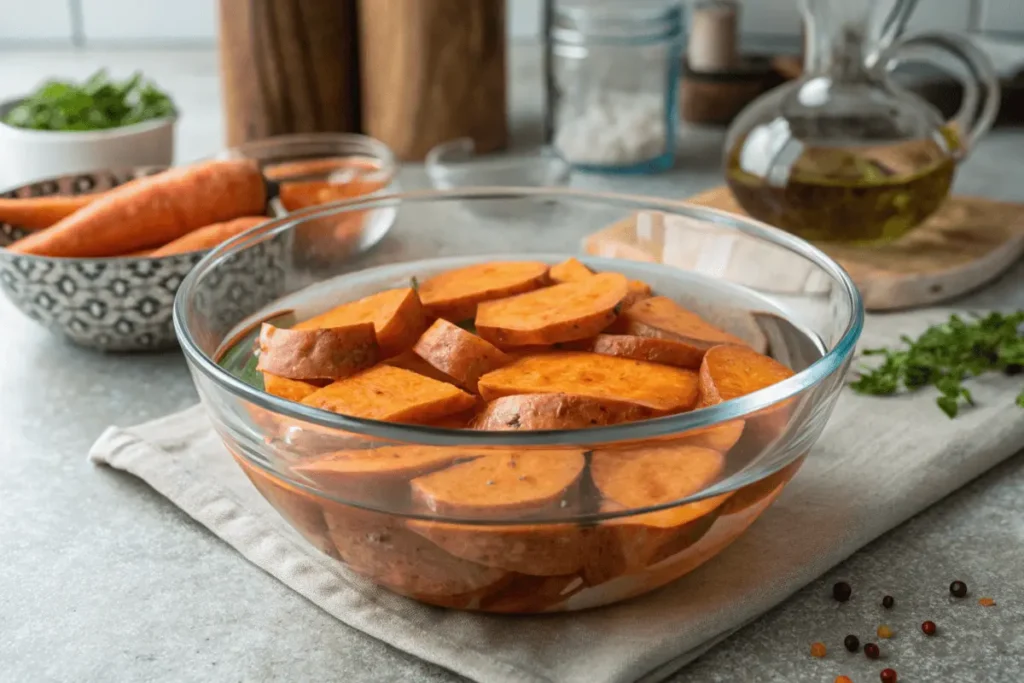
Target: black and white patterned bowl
x,y
110,304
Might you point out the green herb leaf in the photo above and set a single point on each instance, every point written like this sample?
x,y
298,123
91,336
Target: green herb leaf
x,y
946,355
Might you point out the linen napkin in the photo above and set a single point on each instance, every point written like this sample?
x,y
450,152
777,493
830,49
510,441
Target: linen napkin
x,y
879,461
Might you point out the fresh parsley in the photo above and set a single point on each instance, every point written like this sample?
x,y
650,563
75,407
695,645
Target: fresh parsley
x,y
947,354
99,103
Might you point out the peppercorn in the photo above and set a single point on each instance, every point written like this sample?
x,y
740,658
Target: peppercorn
x,y
871,651
818,650
841,591
929,628
958,589
888,676
888,601
843,679
986,602
884,631
1013,369
851,643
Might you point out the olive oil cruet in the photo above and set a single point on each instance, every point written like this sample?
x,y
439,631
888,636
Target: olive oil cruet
x,y
843,153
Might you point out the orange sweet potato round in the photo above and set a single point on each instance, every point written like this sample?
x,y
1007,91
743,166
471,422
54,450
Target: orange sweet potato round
x,y
663,318
461,355
570,270
653,350
454,295
728,372
397,316
638,291
330,353
291,389
562,313
537,412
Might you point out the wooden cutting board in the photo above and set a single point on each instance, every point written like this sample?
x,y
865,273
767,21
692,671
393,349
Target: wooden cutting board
x,y
966,244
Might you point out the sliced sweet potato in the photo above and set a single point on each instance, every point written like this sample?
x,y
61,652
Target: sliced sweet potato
x,y
651,349
330,353
562,313
720,437
570,270
391,394
638,291
532,594
380,548
501,482
291,389
535,412
660,317
461,355
407,360
454,295
661,388
397,315
728,372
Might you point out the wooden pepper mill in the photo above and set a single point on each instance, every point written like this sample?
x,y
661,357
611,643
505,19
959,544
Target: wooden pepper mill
x,y
432,71
288,67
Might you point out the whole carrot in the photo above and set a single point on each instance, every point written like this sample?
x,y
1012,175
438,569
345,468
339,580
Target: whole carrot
x,y
209,236
154,211
38,213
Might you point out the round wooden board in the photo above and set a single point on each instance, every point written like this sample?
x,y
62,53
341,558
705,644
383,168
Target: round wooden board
x,y
966,244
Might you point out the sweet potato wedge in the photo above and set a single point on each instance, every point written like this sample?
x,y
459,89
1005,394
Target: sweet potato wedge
x,y
661,388
454,295
407,360
569,270
562,313
291,389
501,482
651,349
461,355
329,353
391,394
536,412
660,317
638,290
397,316
728,372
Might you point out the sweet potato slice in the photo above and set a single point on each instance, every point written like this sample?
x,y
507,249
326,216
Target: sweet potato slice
x,y
570,270
454,295
562,313
397,315
661,388
501,482
536,412
532,594
291,389
728,372
720,437
330,353
651,349
638,291
461,355
660,317
407,360
391,394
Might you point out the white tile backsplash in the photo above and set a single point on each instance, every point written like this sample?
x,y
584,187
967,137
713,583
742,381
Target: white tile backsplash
x,y
35,20
109,21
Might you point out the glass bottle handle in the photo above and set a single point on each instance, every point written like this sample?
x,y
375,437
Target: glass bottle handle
x,y
979,79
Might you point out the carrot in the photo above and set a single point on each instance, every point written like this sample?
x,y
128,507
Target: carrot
x,y
525,412
650,349
570,270
454,295
324,166
382,472
39,213
291,389
661,388
209,237
728,372
496,484
152,211
662,318
397,316
330,353
575,310
391,394
461,355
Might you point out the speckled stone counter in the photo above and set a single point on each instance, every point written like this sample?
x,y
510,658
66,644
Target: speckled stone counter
x,y
103,580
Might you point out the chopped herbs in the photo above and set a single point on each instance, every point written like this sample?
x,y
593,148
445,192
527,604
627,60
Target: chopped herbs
x,y
97,104
946,355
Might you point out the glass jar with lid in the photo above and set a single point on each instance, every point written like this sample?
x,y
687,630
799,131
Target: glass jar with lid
x,y
613,75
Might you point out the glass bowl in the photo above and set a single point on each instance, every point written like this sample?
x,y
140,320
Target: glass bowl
x,y
585,545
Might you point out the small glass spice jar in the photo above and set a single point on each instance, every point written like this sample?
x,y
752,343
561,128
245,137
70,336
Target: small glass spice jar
x,y
612,77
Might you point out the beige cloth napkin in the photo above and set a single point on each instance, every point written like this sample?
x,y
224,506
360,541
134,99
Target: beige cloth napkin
x,y
879,462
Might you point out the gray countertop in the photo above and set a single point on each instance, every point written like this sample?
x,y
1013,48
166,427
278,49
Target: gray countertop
x,y
103,580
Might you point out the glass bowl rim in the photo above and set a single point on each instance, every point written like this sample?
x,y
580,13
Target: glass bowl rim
x,y
436,436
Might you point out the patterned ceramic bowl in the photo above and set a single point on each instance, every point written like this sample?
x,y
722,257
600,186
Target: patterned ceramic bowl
x,y
110,304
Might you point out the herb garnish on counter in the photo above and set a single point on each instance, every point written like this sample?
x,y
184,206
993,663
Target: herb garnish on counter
x,y
97,104
947,354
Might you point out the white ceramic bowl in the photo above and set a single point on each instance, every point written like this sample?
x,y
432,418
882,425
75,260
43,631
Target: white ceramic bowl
x,y
29,155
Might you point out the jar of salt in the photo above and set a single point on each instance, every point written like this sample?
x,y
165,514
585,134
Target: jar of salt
x,y
613,74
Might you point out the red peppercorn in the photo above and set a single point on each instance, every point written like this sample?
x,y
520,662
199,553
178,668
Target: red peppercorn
x,y
871,651
929,628
958,589
888,676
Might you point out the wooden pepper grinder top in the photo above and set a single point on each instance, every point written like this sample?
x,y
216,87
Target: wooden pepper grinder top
x,y
288,67
432,71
